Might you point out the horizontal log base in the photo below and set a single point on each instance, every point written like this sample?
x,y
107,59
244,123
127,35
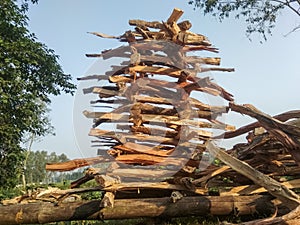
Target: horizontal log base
x,y
33,213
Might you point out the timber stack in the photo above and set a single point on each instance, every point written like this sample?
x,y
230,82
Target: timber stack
x,y
156,141
156,128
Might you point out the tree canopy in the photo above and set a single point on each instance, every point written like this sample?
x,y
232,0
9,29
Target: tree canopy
x,y
35,171
29,75
260,15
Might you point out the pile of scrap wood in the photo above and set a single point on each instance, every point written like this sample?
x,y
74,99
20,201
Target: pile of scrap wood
x,y
157,139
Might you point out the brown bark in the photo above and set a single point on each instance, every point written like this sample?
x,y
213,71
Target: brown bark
x,y
256,189
75,163
134,208
242,130
288,135
106,181
274,188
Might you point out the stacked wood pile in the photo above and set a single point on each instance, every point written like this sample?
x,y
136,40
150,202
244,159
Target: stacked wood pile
x,y
155,124
157,141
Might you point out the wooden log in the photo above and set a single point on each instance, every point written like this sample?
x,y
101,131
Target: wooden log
x,y
184,25
275,188
75,163
242,130
142,23
78,163
210,175
184,87
172,30
290,218
145,159
37,213
108,200
174,17
288,135
106,181
186,38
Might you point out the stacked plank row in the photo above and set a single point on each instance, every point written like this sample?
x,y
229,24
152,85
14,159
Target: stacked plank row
x,y
155,122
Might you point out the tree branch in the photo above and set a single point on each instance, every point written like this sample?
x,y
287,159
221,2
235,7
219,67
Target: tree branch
x,y
293,30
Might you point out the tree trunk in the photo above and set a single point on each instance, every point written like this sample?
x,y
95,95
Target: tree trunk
x,y
33,213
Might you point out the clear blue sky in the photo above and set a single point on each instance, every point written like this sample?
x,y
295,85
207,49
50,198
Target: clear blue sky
x,y
267,75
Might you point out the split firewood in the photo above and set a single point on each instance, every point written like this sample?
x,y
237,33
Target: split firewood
x,y
107,200
75,163
106,181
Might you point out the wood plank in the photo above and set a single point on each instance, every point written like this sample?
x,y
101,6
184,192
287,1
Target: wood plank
x,y
157,119
186,38
256,189
164,132
152,185
76,163
142,23
167,101
144,149
104,35
122,137
145,159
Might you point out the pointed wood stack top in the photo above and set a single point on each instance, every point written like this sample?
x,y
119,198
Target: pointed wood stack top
x,y
155,121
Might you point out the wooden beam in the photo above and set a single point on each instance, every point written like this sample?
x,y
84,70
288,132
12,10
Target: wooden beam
x,y
37,213
75,163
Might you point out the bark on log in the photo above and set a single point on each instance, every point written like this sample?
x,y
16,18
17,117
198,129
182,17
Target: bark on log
x,y
288,135
242,130
134,208
275,188
106,181
75,163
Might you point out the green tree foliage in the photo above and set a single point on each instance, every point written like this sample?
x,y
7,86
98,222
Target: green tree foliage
x,y
29,74
35,171
260,15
